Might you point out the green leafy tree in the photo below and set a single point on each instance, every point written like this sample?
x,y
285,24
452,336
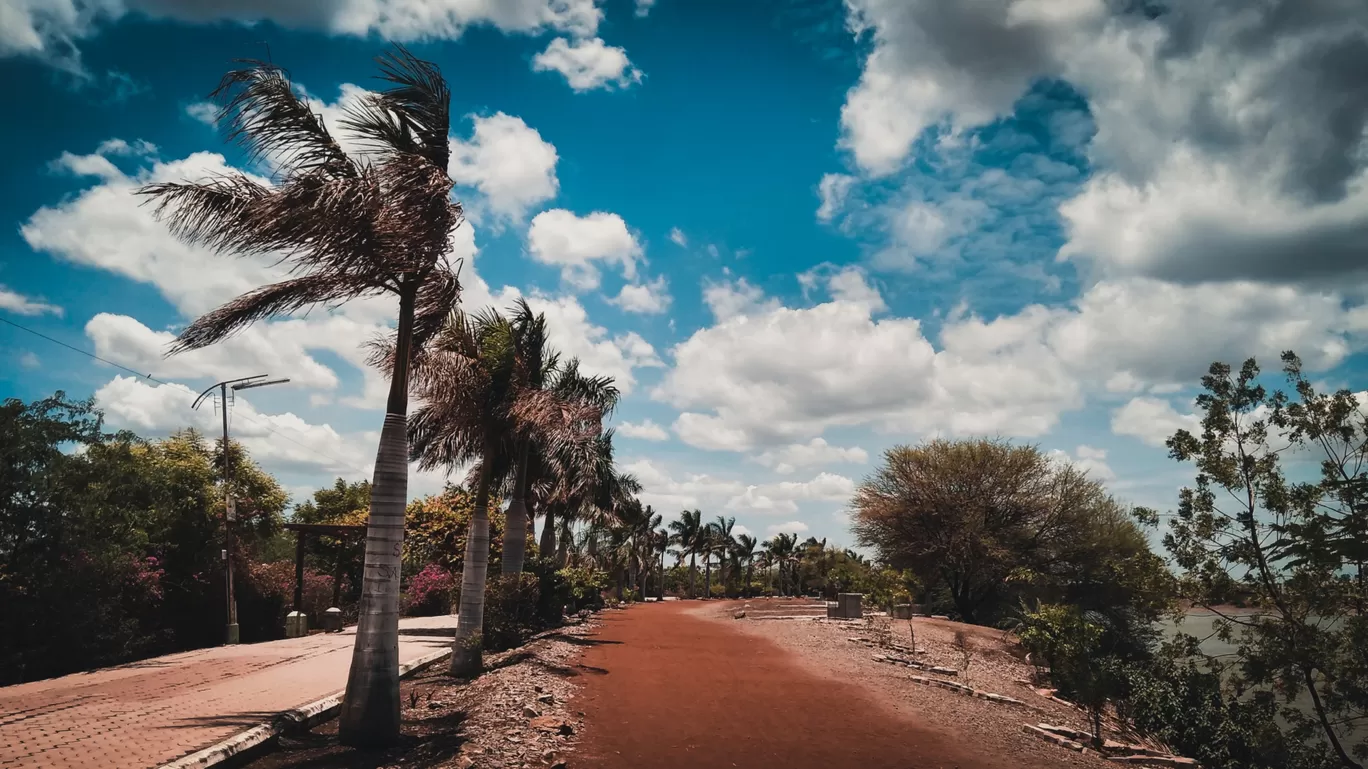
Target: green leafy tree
x,y
687,533
1295,548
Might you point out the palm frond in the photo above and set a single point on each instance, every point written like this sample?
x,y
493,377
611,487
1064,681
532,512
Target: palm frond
x,y
268,118
280,298
413,117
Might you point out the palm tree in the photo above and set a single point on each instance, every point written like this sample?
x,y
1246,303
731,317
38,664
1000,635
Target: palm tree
x,y
687,532
346,228
569,478
708,542
475,411
660,542
535,362
722,534
783,552
743,551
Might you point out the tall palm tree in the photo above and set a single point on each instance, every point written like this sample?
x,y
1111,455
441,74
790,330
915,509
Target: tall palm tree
x,y
722,545
743,551
346,228
660,543
783,552
535,363
687,533
707,545
570,478
475,411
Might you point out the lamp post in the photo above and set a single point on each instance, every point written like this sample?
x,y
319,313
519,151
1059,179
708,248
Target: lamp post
x,y
229,506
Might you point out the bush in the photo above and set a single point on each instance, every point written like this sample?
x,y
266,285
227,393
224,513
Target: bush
x,y
429,592
265,594
511,605
586,586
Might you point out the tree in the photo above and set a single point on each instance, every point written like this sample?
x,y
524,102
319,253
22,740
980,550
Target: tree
x,y
1295,547
722,543
687,533
345,228
995,523
783,553
743,552
475,411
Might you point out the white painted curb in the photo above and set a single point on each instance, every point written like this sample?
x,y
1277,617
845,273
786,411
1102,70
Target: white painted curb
x,y
304,716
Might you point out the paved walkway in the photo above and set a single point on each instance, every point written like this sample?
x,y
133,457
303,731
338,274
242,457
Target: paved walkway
x,y
145,714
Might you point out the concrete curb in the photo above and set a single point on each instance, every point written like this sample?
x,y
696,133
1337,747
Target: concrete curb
x,y
303,717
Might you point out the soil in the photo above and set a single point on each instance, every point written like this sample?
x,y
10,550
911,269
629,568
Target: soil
x,y
680,685
520,713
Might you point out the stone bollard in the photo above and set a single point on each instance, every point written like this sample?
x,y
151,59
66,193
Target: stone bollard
x,y
332,620
850,605
902,611
833,610
296,624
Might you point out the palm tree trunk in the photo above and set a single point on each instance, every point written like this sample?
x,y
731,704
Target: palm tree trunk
x,y
660,589
370,706
547,546
707,575
563,544
515,524
467,652
693,571
745,591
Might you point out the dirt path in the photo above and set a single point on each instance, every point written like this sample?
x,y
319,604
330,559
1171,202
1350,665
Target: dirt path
x,y
675,690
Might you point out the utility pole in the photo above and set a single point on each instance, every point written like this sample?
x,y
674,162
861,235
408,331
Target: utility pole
x,y
229,505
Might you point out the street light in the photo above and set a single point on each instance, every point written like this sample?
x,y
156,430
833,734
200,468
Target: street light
x,y
229,505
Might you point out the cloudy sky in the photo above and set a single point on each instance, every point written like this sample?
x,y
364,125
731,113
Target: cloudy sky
x,y
797,233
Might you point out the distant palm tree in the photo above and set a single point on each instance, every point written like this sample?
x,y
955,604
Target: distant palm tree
x,y
476,411
687,533
661,543
577,476
722,544
783,552
743,551
346,228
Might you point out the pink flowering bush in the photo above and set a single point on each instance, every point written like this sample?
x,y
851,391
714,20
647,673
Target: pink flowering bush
x,y
429,592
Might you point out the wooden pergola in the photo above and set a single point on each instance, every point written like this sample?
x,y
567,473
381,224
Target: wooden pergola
x,y
302,532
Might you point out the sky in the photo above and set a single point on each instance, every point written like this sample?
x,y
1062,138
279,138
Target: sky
x,y
796,233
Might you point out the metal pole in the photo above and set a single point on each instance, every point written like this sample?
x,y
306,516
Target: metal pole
x,y
299,571
232,636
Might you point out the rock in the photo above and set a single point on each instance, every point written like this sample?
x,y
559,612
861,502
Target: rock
x,y
465,762
553,724
739,614
546,699
1063,742
436,705
538,688
1167,761
943,671
530,711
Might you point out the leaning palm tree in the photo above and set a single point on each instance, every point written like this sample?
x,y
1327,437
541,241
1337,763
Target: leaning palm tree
x,y
345,227
535,363
686,533
475,412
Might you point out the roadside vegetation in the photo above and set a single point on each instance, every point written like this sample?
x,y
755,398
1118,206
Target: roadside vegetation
x,y
1276,519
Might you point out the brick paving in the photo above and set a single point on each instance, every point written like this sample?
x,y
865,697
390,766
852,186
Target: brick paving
x,y
145,714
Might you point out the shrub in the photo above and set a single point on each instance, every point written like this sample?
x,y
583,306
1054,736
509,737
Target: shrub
x,y
429,592
586,586
511,603
265,594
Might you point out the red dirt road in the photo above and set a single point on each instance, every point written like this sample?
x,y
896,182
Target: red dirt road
x,y
667,689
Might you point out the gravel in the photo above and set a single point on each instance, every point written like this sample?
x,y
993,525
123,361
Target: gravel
x,y
821,646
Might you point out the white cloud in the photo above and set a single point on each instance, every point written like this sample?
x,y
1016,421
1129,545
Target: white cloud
x,y
668,495
739,386
30,360
650,298
787,527
787,459
19,304
677,235
783,498
576,244
645,430
280,441
727,299
1152,420
587,64
643,8
1088,459
267,348
833,190
51,28
508,163
203,111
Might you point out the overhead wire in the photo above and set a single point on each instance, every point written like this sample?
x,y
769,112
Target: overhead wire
x,y
265,425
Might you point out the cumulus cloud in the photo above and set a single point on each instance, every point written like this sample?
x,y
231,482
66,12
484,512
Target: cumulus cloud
x,y
587,64
739,385
1229,143
678,237
731,299
19,304
645,430
1088,459
203,111
577,244
51,29
643,8
508,163
787,459
1152,420
787,527
650,298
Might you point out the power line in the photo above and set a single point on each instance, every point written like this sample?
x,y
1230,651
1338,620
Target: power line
x,y
265,425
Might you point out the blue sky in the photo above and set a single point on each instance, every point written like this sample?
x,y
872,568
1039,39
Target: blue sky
x,y
797,233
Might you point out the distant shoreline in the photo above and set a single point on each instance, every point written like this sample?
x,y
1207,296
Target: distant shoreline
x,y
1225,608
